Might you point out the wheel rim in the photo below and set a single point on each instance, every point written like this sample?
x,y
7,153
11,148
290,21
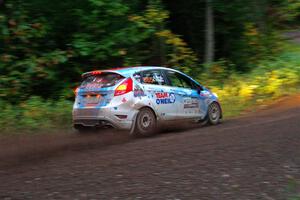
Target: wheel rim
x,y
214,112
146,121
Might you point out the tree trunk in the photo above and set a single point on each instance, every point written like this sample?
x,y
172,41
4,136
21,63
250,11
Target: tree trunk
x,y
209,36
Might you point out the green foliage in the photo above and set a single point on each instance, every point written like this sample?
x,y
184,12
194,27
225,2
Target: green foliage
x,y
292,188
257,46
273,79
34,60
25,62
46,45
35,115
246,31
171,47
286,12
111,31
105,31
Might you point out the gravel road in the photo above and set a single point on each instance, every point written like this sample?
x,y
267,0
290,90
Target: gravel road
x,y
252,157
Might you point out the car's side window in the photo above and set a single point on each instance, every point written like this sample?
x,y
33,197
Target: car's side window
x,y
153,77
178,80
137,76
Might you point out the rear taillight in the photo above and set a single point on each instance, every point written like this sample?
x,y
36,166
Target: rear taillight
x,y
96,72
125,87
76,91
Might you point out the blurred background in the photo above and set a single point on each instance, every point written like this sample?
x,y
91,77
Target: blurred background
x,y
247,51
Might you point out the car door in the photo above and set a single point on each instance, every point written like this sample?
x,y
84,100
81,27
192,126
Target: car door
x,y
187,94
162,98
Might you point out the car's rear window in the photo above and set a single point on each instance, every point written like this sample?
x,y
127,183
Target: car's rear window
x,y
102,80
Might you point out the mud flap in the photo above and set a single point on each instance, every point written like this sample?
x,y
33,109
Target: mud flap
x,y
133,126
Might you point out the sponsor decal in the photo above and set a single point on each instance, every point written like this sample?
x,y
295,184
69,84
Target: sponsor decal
x,y
124,100
205,93
138,92
92,86
190,103
137,77
165,98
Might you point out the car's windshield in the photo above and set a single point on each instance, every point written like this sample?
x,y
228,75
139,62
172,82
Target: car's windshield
x,y
102,80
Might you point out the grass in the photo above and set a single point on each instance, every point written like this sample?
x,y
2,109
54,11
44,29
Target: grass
x,y
35,116
293,189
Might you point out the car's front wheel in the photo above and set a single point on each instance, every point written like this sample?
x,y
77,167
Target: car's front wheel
x,y
145,124
214,113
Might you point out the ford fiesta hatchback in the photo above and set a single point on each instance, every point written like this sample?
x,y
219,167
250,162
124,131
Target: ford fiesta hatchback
x,y
139,98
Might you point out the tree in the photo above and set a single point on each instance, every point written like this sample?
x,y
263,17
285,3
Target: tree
x,y
28,62
209,33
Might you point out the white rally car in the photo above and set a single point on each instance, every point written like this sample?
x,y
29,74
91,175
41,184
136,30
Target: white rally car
x,y
139,98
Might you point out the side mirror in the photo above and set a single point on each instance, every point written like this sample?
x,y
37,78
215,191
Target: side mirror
x,y
199,89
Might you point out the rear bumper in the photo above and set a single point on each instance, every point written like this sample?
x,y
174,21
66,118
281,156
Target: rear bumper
x,y
100,122
100,117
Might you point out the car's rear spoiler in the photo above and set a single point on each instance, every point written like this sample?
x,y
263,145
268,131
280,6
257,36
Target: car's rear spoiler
x,y
98,72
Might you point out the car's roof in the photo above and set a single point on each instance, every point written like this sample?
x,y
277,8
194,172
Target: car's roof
x,y
132,70
128,71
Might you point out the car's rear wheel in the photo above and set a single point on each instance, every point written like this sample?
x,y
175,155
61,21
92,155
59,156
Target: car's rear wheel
x,y
214,113
146,123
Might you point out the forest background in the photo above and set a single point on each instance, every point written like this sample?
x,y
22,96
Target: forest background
x,y
244,50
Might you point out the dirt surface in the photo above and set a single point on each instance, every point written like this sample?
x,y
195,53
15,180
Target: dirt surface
x,y
253,157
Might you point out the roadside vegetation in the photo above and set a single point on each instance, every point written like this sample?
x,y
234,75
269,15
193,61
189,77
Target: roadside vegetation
x,y
270,80
46,45
273,79
292,189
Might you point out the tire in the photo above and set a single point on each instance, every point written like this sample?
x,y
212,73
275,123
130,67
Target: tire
x,y
203,122
214,113
146,124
